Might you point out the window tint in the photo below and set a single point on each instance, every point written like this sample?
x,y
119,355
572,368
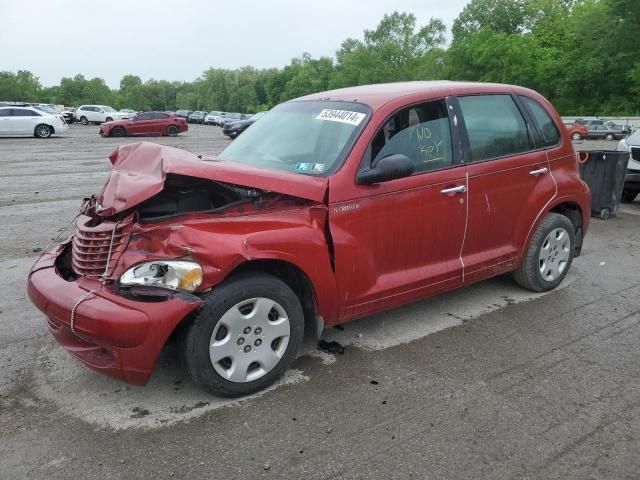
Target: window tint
x,y
549,130
495,126
420,132
23,112
159,115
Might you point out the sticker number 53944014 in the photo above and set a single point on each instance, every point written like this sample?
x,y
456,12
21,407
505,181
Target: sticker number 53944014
x,y
342,116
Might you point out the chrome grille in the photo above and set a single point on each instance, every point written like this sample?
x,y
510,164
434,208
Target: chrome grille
x,y
91,244
635,153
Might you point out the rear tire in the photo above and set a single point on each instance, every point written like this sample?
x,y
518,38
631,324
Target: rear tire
x,y
576,136
549,255
239,343
84,121
610,137
42,131
172,130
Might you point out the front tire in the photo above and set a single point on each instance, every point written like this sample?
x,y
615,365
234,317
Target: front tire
x,y
42,131
118,132
576,136
245,336
109,119
610,137
549,254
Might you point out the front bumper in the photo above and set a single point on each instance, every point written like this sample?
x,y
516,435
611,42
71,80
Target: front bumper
x,y
117,336
632,180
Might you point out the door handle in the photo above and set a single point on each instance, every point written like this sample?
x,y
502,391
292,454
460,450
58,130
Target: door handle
x,y
458,189
540,171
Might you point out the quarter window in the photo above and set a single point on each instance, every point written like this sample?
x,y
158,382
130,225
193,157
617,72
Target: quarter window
x,y
548,128
420,132
495,126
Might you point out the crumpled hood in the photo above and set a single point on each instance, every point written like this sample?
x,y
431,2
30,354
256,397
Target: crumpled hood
x,y
139,172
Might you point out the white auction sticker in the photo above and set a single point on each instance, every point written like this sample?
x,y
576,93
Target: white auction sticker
x,y
343,116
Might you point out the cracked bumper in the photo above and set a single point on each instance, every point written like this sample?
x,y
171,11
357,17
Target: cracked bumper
x,y
118,337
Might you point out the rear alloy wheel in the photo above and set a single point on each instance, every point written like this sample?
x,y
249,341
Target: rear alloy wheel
x,y
109,119
172,130
84,121
576,136
42,131
549,254
610,137
118,132
245,337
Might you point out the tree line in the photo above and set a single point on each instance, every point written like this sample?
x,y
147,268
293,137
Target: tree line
x,y
581,54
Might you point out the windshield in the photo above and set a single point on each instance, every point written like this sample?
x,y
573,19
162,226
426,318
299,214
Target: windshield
x,y
307,137
108,109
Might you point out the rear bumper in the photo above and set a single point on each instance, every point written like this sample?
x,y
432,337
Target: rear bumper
x,y
117,336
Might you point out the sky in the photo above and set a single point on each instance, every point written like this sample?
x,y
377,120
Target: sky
x,y
178,40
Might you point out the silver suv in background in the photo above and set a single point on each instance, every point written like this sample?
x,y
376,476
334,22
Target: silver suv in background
x,y
631,144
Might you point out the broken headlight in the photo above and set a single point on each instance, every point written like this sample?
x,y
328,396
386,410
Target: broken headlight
x,y
171,274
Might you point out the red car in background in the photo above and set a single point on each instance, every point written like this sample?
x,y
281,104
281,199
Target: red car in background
x,y
147,123
578,131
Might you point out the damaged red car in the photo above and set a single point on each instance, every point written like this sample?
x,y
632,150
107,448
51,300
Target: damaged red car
x,y
145,124
333,207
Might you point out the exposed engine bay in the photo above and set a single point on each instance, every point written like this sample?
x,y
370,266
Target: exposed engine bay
x,y
182,195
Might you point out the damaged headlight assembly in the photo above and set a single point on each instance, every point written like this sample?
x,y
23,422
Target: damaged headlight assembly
x,y
169,274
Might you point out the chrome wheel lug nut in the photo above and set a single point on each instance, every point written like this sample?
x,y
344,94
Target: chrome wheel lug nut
x,y
247,330
258,331
258,342
247,349
240,341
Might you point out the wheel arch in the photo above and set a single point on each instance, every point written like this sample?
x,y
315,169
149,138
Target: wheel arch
x,y
296,279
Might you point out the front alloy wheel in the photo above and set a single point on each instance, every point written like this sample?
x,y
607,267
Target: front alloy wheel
x,y
43,131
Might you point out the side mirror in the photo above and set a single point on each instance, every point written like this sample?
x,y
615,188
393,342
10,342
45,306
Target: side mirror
x,y
387,168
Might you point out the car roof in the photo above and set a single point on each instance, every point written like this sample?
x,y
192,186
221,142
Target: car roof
x,y
379,94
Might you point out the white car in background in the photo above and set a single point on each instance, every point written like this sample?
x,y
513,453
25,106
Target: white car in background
x,y
631,144
86,114
16,121
212,117
129,113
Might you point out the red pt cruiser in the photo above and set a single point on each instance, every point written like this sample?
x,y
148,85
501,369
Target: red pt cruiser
x,y
145,124
334,206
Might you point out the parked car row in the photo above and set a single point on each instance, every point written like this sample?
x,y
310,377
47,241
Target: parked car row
x,y
234,128
598,129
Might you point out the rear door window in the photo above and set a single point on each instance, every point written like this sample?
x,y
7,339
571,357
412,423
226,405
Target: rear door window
x,y
549,134
495,126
